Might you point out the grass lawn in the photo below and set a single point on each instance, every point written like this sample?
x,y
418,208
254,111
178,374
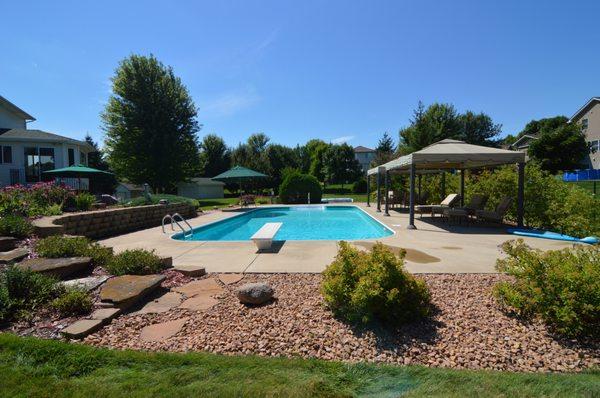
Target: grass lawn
x,y
44,368
337,191
589,185
207,204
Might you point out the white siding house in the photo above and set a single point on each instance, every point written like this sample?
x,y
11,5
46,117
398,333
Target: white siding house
x,y
25,154
201,188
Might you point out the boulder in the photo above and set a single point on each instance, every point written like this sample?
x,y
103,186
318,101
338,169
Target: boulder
x,y
13,255
254,293
123,291
7,243
89,283
59,267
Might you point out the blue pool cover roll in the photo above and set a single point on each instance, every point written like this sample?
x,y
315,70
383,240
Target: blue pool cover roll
x,y
551,235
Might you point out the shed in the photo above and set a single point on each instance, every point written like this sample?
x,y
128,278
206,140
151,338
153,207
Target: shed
x,y
126,191
201,188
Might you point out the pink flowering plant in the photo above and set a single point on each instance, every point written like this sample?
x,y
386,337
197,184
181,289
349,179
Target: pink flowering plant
x,y
43,198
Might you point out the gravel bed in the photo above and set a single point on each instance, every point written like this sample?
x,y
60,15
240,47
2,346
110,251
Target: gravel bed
x,y
467,330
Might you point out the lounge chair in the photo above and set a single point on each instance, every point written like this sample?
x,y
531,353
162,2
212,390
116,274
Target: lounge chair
x,y
498,214
450,201
477,202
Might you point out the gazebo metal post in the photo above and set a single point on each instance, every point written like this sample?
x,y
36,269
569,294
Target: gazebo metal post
x,y
443,185
368,191
379,190
462,187
387,193
521,194
411,218
420,178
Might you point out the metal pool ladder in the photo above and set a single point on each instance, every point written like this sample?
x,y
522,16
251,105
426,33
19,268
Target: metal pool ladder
x,y
175,218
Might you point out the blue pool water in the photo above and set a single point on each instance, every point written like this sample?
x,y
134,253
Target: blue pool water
x,y
299,223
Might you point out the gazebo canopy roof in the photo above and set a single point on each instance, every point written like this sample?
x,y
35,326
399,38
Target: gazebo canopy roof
x,y
452,154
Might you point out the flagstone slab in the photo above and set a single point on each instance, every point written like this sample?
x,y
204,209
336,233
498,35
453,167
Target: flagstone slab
x,y
162,304
162,331
7,243
89,283
17,254
201,302
203,286
105,314
125,290
59,267
230,279
190,270
82,328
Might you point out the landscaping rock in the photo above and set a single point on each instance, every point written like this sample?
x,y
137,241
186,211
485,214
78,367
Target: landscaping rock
x,y
191,270
13,255
162,331
161,304
105,314
59,267
167,261
123,291
200,302
82,328
89,283
7,243
205,286
254,293
230,279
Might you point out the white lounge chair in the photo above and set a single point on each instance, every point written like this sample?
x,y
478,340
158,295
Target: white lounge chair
x,y
263,238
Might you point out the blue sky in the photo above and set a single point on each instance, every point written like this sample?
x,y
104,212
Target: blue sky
x,y
336,70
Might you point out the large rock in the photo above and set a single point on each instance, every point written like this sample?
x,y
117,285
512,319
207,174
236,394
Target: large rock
x,y
13,255
59,267
82,328
123,291
7,243
254,293
202,286
89,283
191,270
162,304
162,331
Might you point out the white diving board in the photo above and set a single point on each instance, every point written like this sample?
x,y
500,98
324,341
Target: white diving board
x,y
263,238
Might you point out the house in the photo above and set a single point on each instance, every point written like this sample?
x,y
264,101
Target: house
x,y
364,156
125,191
26,153
522,144
588,116
201,188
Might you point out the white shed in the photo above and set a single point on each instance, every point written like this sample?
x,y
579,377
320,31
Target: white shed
x,y
201,188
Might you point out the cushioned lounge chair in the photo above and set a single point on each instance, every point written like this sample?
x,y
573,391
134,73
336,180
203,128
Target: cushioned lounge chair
x,y
498,214
477,202
450,201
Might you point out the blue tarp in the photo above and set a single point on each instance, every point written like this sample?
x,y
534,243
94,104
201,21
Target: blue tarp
x,y
582,175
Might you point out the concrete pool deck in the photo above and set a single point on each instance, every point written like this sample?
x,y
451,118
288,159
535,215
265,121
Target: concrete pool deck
x,y
434,247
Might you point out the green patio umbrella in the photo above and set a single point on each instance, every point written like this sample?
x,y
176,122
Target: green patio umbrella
x,y
79,171
238,174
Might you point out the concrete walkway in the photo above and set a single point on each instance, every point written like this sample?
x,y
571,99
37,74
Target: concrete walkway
x,y
434,247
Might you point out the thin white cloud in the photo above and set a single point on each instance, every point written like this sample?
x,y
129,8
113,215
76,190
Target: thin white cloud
x,y
229,103
341,140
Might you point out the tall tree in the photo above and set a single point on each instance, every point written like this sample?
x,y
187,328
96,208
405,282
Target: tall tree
x,y
317,150
540,126
429,125
101,183
96,157
478,129
384,152
215,157
252,154
340,165
150,124
560,149
280,157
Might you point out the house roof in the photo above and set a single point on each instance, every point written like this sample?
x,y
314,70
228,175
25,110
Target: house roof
x,y
584,108
523,138
206,181
4,103
361,148
37,136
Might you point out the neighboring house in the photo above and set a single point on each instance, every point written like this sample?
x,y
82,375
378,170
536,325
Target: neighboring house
x,y
522,144
25,154
125,191
588,116
364,156
201,188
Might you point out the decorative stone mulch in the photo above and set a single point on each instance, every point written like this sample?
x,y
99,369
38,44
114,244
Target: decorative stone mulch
x,y
467,330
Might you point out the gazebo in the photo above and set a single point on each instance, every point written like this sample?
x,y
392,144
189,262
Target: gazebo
x,y
446,155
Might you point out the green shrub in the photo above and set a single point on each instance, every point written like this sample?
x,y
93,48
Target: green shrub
x,y
14,225
84,201
295,188
135,262
58,246
365,286
22,291
154,199
33,200
360,186
73,302
560,286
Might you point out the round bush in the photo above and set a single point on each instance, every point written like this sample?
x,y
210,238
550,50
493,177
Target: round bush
x,y
295,188
73,302
16,226
365,286
135,262
360,186
59,246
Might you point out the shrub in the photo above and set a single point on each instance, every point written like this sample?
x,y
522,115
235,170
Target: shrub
x,y
58,246
14,225
84,201
33,200
360,186
135,262
154,199
295,188
22,291
560,286
365,286
73,302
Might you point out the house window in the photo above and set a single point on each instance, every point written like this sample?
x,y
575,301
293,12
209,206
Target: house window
x,y
594,146
5,154
82,158
71,157
46,161
584,124
38,160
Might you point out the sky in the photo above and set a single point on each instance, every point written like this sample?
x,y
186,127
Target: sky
x,y
342,71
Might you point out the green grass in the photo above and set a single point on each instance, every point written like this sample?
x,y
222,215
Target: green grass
x,y
43,368
589,185
207,204
337,191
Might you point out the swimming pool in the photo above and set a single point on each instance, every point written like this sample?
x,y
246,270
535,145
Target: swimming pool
x,y
299,223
